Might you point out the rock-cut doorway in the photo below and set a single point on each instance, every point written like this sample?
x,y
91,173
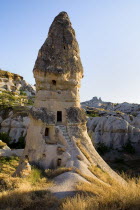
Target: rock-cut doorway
x,y
59,116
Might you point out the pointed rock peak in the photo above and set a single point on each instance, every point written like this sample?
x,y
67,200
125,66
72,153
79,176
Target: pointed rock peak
x,y
60,52
62,15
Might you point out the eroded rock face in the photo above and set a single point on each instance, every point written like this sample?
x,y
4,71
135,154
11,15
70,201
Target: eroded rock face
x,y
114,125
15,83
65,143
5,151
76,115
127,108
58,72
15,124
60,52
43,114
16,98
113,131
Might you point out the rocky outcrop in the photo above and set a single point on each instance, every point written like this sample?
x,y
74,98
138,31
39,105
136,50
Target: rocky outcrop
x,y
5,151
114,132
97,103
115,127
43,114
14,123
58,54
16,98
15,83
76,115
125,107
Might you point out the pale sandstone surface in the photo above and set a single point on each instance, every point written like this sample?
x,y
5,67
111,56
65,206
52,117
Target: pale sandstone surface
x,y
5,151
16,83
57,135
15,124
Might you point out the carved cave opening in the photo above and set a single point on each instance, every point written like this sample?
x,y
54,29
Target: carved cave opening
x,y
59,116
59,162
47,132
54,82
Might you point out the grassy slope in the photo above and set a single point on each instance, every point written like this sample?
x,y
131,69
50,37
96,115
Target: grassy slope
x,y
31,192
7,74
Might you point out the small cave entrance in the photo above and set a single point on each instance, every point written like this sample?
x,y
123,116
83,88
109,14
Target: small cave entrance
x,y
54,82
59,162
26,157
46,131
59,116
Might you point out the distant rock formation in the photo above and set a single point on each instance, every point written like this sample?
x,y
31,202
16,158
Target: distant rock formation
x,y
125,107
115,132
114,125
15,83
98,103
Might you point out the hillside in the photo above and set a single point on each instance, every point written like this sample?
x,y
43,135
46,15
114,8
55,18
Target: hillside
x,y
16,98
15,83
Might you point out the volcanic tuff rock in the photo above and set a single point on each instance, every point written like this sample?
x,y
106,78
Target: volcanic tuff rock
x,y
58,72
114,132
15,83
125,107
114,125
60,52
16,97
6,151
15,123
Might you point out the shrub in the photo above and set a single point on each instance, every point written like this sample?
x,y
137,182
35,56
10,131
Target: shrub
x,y
92,114
129,148
134,114
102,148
20,144
35,176
51,173
5,138
22,93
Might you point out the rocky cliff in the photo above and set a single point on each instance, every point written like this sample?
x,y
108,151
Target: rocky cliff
x,y
16,98
128,108
15,83
116,126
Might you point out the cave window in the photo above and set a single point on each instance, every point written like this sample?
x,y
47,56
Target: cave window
x,y
58,162
47,132
54,82
64,47
26,157
59,116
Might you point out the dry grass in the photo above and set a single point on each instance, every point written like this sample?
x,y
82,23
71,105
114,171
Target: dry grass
x,y
24,193
100,174
84,151
51,173
31,193
103,197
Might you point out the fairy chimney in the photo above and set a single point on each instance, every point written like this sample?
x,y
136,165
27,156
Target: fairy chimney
x,y
57,135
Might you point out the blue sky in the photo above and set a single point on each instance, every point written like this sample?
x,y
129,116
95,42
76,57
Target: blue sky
x,y
108,32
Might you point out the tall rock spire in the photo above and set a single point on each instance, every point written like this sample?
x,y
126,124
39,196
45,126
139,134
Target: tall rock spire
x,y
57,135
60,52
